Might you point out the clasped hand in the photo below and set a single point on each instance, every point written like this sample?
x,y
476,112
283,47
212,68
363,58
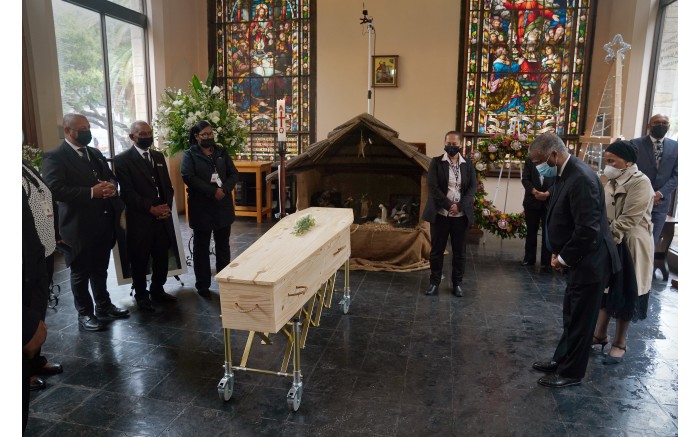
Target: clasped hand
x,y
103,190
454,210
160,212
220,193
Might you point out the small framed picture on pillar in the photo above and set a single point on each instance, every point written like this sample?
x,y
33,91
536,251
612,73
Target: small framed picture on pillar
x,y
385,70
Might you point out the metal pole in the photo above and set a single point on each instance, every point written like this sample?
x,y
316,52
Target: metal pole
x,y
370,69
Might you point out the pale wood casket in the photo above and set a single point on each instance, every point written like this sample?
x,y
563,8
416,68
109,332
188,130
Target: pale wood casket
x,y
267,284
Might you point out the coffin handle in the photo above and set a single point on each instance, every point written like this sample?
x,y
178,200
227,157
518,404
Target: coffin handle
x,y
241,310
299,287
339,250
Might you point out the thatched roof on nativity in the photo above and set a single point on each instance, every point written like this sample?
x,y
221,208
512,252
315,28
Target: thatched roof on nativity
x,y
361,144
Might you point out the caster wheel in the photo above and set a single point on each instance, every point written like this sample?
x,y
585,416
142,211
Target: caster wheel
x,y
294,398
346,306
225,388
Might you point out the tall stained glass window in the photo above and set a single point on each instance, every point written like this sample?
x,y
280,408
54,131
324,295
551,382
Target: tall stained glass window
x,y
524,67
264,54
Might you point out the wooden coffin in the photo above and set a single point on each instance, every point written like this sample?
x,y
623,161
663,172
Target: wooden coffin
x,y
268,283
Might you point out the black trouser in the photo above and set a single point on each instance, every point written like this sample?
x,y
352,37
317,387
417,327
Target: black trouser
x,y
154,246
454,228
90,266
580,313
39,292
534,217
200,255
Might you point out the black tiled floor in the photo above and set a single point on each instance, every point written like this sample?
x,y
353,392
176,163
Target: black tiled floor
x,y
399,364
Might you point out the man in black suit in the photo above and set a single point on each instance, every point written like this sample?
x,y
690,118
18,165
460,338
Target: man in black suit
x,y
536,180
449,210
89,209
148,195
583,248
658,160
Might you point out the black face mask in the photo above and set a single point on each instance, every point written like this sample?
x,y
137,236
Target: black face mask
x,y
145,143
452,150
84,137
659,130
208,143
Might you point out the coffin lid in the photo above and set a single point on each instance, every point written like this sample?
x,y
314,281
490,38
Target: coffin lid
x,y
279,252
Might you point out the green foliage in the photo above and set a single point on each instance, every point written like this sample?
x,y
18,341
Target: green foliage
x,y
33,155
179,111
304,224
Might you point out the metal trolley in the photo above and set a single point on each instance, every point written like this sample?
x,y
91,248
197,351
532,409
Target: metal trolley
x,y
295,331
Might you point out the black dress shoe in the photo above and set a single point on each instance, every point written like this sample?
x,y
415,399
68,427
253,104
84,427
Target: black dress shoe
x,y
555,380
90,323
112,312
163,297
204,292
145,305
50,369
457,291
37,384
527,263
432,290
545,366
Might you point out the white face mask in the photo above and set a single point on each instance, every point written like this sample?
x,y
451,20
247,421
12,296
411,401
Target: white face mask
x,y
612,172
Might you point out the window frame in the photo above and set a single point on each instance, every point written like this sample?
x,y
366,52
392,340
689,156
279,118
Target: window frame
x,y
106,9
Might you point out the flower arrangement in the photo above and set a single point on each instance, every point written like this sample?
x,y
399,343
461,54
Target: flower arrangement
x,y
497,149
179,111
33,155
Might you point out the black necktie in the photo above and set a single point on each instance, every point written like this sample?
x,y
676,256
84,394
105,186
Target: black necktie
x,y
147,157
83,155
658,151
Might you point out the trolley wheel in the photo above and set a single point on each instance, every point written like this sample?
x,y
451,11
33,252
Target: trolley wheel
x,y
225,388
345,303
294,398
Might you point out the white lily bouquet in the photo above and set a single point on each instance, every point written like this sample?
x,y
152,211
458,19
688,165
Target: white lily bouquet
x,y
179,111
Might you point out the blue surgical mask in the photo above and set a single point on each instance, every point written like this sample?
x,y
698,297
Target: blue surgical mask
x,y
545,170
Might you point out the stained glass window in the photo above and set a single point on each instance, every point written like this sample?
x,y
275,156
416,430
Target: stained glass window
x,y
263,54
524,67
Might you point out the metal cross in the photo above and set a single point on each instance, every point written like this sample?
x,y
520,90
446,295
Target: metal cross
x,y
612,53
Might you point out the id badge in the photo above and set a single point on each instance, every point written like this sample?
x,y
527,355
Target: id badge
x,y
457,197
46,207
214,177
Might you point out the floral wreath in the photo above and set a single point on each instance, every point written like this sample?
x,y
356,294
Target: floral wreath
x,y
497,149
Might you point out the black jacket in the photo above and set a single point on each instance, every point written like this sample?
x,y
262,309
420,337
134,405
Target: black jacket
x,y
205,212
438,177
578,225
139,191
70,179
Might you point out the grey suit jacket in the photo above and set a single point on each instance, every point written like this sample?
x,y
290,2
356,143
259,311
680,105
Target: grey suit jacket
x,y
665,178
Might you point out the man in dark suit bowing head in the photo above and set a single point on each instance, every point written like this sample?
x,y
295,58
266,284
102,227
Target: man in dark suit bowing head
x,y
657,158
88,212
449,210
582,248
148,193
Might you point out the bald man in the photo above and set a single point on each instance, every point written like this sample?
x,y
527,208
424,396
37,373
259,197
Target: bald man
x,y
88,211
148,193
658,160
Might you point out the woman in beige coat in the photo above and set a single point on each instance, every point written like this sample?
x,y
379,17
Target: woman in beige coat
x,y
629,198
